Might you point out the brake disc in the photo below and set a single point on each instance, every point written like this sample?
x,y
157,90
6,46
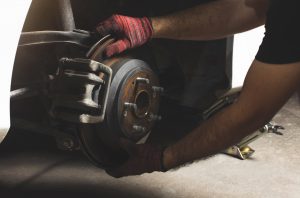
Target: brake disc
x,y
132,109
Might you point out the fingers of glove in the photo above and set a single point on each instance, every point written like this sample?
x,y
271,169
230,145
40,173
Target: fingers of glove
x,y
130,147
116,48
128,168
107,27
103,29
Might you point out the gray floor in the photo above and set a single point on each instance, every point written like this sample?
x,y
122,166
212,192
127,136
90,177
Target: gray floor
x,y
273,171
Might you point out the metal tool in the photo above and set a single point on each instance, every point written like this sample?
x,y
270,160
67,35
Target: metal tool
x,y
243,151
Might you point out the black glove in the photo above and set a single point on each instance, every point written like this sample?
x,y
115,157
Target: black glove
x,y
143,158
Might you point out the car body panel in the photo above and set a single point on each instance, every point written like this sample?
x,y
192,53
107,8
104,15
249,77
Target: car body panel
x,y
12,17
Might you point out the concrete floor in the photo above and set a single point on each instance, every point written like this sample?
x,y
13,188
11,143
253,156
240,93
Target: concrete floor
x,y
273,171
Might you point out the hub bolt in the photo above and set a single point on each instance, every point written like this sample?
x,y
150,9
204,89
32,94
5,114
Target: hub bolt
x,y
142,80
129,105
157,90
154,117
139,128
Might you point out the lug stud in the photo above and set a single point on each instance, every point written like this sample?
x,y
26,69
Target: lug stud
x,y
157,90
128,105
138,128
142,80
155,117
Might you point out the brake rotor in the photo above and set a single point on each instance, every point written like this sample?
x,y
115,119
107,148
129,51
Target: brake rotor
x,y
133,102
132,108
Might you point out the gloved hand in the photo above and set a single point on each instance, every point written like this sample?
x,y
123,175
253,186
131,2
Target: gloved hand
x,y
130,32
143,158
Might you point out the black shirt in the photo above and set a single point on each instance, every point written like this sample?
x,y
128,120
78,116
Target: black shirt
x,y
281,43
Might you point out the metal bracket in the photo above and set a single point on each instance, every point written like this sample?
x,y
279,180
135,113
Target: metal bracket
x,y
80,95
42,38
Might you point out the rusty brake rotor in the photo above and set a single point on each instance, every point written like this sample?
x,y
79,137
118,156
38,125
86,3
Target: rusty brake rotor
x,y
132,107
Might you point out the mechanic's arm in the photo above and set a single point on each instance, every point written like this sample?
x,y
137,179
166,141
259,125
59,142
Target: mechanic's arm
x,y
214,20
267,87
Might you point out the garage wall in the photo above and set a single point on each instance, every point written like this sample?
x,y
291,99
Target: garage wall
x,y
244,50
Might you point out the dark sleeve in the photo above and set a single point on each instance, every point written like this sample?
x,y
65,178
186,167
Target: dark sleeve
x,y
281,43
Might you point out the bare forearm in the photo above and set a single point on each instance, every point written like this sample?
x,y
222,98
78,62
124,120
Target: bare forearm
x,y
263,94
213,20
213,136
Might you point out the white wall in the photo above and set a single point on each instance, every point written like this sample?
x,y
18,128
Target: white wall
x,y
12,17
244,50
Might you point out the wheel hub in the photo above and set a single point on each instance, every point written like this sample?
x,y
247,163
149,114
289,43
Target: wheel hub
x,y
132,108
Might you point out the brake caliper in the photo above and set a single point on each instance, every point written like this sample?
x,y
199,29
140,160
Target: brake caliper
x,y
80,90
